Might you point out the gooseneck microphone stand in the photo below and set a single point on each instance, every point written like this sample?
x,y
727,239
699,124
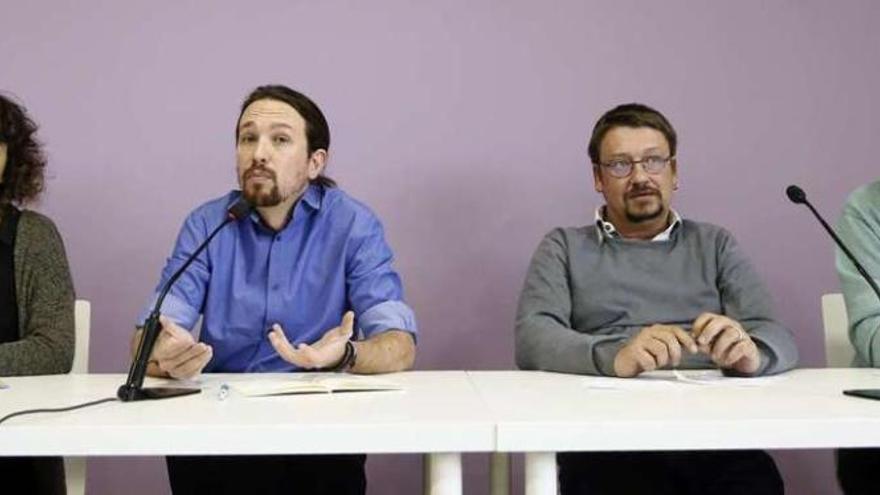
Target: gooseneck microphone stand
x,y
133,388
798,196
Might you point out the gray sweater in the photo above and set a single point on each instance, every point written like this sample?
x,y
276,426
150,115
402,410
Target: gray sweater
x,y
584,297
859,229
44,293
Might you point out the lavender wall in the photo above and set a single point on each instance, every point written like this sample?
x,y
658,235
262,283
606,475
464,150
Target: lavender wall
x,y
463,123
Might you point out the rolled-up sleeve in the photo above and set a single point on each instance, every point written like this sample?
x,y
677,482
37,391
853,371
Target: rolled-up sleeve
x,y
375,290
185,300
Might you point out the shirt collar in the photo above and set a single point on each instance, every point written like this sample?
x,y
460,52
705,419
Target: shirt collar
x,y
312,197
606,229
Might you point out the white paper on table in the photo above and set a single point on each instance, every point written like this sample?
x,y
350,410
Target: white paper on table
x,y
678,379
640,383
716,378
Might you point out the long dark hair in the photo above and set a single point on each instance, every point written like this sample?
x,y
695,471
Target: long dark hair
x,y
317,129
25,161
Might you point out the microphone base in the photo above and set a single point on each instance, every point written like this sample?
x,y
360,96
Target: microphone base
x,y
865,393
131,394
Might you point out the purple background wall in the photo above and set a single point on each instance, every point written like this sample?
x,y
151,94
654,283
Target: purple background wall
x,y
463,124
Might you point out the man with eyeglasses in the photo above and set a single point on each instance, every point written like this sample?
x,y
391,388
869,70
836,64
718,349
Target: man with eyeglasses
x,y
641,289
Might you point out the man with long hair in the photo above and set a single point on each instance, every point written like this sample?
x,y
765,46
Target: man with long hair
x,y
305,282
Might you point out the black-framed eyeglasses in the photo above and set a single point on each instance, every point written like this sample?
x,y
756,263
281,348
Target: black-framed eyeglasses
x,y
623,167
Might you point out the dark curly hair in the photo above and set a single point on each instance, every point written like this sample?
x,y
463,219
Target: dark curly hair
x,y
25,161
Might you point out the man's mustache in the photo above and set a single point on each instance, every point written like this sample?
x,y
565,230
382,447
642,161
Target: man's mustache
x,y
257,171
642,191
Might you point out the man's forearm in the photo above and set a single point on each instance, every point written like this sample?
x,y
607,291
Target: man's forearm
x,y
387,352
543,344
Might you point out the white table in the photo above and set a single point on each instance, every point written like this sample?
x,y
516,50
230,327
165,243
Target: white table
x,y
438,413
446,413
544,413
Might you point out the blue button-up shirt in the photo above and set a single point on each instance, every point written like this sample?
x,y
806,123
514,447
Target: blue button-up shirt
x,y
331,257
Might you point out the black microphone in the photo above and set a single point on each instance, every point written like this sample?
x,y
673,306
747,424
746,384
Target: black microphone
x,y
798,196
133,388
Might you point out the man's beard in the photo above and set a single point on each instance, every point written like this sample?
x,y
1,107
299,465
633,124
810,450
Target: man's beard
x,y
644,215
259,194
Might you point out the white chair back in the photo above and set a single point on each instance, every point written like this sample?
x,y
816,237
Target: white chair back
x,y
839,352
82,322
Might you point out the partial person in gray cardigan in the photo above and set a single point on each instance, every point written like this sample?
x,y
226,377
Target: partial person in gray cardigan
x,y
45,299
643,289
36,291
41,298
859,229
858,470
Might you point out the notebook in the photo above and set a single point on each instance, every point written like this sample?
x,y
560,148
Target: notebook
x,y
312,384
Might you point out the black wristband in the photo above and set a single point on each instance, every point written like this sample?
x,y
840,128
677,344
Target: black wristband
x,y
352,360
348,358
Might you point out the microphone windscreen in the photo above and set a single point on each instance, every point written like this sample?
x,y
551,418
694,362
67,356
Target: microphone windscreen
x,y
240,209
796,194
